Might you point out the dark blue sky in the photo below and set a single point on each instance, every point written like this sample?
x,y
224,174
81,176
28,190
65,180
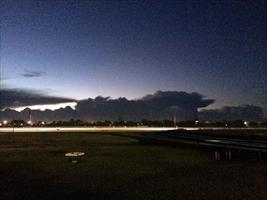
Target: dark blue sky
x,y
83,49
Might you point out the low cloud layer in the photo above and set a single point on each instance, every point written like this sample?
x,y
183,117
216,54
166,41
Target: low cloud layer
x,y
14,97
158,106
231,113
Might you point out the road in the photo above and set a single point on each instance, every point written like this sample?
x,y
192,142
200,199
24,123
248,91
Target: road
x,y
85,129
220,142
107,129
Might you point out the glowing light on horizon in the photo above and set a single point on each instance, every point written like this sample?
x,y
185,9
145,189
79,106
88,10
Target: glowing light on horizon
x,y
46,106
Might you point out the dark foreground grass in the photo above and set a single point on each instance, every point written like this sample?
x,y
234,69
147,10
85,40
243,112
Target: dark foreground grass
x,y
121,166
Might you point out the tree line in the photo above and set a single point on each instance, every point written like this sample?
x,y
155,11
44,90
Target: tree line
x,y
122,123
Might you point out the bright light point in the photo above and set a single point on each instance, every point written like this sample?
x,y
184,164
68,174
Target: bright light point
x,y
245,123
0,124
5,122
43,123
46,106
29,122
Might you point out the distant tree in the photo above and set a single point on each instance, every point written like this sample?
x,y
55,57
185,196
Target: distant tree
x,y
107,123
236,123
253,124
168,123
18,123
119,123
99,123
263,124
186,123
131,123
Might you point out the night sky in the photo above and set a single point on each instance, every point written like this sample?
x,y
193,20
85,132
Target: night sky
x,y
81,49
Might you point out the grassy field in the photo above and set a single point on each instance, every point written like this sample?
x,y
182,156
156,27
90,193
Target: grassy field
x,y
121,166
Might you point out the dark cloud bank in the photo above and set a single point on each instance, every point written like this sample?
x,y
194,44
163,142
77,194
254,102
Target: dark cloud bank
x,y
10,97
158,106
243,112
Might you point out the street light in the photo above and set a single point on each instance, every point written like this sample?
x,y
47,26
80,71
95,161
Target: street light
x,y
4,122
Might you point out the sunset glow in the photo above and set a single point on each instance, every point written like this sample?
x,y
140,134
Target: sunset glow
x,y
46,106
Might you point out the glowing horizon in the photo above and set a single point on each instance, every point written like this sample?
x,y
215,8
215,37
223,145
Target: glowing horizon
x,y
43,107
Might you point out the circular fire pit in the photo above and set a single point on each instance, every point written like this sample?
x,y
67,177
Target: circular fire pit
x,y
74,157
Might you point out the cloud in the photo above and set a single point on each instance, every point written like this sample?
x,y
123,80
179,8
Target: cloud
x,y
14,97
2,78
174,98
230,113
33,74
158,106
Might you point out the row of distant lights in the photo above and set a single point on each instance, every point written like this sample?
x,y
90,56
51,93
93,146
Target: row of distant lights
x,y
28,122
43,123
245,123
4,123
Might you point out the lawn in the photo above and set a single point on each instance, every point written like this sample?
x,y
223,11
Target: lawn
x,y
121,166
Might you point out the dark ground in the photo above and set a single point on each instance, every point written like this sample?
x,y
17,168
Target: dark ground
x,y
122,166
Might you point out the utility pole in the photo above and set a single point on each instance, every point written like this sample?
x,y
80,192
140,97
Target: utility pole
x,y
30,115
174,121
174,109
30,118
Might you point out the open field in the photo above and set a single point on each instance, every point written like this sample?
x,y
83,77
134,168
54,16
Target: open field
x,y
122,165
